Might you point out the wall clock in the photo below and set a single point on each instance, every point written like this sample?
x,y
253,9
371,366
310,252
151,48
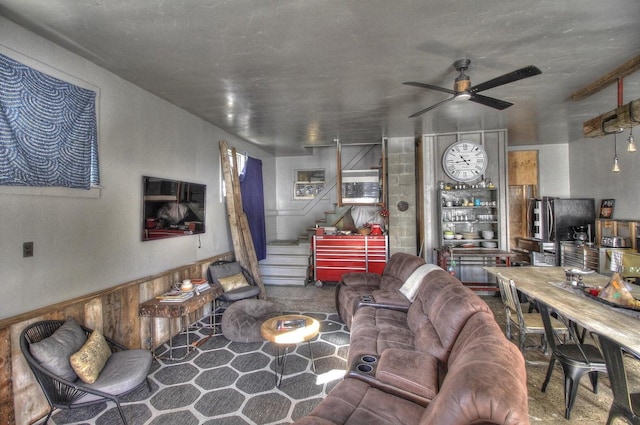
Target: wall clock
x,y
464,161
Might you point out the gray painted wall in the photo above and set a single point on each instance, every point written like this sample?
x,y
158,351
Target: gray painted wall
x,y
84,244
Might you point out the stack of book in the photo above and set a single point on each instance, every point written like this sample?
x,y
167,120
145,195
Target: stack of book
x,y
282,325
200,285
175,296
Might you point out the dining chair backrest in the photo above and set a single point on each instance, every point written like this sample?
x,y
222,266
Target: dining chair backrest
x,y
622,403
552,337
505,293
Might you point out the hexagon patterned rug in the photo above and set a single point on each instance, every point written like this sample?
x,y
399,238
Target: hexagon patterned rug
x,y
229,383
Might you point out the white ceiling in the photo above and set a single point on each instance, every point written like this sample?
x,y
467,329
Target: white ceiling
x,y
291,74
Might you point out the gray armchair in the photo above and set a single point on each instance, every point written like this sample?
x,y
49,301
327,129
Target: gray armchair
x,y
220,270
124,371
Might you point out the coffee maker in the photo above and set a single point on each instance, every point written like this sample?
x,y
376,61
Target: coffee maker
x,y
582,234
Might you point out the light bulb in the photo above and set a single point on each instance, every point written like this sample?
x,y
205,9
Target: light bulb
x,y
616,166
631,147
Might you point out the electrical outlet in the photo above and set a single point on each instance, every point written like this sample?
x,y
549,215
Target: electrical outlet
x,y
27,249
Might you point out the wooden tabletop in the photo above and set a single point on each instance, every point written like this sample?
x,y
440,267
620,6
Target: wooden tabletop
x,y
157,308
292,336
547,284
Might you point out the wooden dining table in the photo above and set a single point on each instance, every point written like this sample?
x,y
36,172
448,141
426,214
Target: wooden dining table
x,y
548,285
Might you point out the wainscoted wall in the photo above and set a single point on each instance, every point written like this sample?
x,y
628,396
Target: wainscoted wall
x,y
113,310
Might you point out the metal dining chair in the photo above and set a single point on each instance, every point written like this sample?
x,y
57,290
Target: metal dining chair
x,y
625,404
526,323
575,358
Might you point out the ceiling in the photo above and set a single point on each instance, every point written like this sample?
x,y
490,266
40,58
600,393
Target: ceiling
x,y
287,75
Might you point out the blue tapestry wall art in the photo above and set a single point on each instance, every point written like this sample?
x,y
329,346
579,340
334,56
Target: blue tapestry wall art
x,y
48,130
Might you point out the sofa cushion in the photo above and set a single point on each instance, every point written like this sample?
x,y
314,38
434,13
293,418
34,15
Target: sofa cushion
x,y
376,329
486,379
447,304
54,352
124,371
88,362
353,402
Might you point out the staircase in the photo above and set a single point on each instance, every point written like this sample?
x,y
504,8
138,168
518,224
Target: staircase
x,y
287,263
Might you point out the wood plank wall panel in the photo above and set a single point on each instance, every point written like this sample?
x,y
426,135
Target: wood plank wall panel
x,y
114,310
6,389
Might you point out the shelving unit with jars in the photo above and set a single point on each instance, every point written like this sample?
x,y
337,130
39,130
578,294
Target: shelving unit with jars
x,y
469,217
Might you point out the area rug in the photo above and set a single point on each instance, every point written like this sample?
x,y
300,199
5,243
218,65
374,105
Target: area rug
x,y
229,383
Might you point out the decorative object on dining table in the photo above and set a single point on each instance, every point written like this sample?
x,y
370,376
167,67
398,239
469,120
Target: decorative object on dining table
x,y
617,292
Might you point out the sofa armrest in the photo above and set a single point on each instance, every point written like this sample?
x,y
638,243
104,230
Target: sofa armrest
x,y
412,371
404,373
388,302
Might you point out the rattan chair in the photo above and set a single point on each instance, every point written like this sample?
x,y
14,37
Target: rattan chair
x,y
575,358
64,394
526,323
221,269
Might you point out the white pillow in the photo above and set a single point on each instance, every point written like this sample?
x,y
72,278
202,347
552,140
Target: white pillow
x,y
412,284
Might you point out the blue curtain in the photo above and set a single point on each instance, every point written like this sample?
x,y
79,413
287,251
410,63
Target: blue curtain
x,y
253,204
48,130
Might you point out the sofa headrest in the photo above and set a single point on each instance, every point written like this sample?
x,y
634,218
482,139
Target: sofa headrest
x,y
401,265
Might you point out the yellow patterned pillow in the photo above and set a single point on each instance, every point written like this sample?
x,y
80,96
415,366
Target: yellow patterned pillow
x,y
233,282
91,358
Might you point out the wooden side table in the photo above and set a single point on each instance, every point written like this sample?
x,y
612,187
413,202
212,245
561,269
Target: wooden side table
x,y
171,310
284,338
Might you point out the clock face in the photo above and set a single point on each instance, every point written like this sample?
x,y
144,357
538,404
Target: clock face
x,y
464,161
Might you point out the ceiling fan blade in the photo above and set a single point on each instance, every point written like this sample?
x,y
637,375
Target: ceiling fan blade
x,y
526,72
430,107
429,86
490,101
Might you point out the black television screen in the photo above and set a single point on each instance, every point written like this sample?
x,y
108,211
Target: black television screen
x,y
172,208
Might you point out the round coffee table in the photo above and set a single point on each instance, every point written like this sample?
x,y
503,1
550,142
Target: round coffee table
x,y
287,330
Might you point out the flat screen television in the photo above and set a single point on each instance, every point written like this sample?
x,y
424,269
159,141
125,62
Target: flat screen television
x,y
172,208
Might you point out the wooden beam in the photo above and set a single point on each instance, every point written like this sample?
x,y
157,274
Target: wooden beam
x,y
625,116
627,68
242,242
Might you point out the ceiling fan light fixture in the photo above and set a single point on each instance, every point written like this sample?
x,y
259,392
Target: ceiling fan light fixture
x,y
465,95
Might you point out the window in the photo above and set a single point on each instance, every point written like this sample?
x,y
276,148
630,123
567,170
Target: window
x,y
240,160
307,184
48,130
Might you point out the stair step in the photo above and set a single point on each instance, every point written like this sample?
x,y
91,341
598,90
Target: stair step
x,y
284,280
300,248
285,260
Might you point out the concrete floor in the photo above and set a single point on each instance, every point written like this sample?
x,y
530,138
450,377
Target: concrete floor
x,y
544,408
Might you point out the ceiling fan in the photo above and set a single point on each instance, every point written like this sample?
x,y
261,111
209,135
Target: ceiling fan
x,y
462,89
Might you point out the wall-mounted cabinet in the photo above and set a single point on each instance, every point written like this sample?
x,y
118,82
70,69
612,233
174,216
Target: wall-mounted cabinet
x,y
469,218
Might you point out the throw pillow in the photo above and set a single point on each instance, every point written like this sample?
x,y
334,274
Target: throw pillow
x,y
91,358
53,352
233,282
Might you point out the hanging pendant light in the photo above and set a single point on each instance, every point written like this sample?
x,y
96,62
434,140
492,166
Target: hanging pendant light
x,y
631,146
616,166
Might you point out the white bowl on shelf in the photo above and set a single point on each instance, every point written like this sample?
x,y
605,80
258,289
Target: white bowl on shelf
x,y
488,244
487,234
458,236
448,237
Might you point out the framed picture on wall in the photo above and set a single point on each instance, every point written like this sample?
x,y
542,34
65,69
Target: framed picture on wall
x,y
606,208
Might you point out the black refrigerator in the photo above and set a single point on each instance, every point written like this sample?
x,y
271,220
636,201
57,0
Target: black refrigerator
x,y
551,220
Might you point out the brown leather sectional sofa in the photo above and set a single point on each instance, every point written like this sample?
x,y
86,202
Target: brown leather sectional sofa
x,y
443,361
372,288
